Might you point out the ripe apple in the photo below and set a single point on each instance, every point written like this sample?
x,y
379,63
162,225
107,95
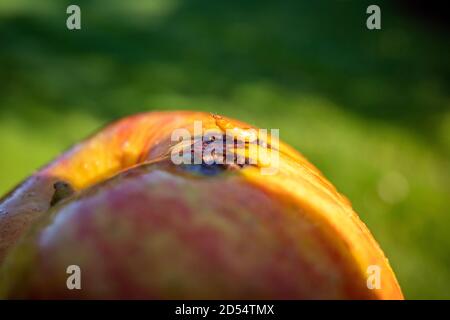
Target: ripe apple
x,y
139,226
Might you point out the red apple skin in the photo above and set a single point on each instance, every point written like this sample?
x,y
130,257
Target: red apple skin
x,y
157,231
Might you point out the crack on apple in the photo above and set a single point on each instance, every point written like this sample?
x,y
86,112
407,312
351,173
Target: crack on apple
x,y
227,147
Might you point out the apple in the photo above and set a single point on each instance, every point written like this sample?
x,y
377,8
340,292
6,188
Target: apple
x,y
136,225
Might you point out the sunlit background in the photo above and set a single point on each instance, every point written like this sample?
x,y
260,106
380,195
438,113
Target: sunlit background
x,y
370,108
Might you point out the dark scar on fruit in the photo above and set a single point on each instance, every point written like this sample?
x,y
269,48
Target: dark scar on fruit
x,y
63,190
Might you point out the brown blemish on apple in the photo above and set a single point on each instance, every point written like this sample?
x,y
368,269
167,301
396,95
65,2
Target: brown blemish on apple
x,y
63,190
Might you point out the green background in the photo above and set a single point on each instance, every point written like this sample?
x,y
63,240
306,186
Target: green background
x,y
370,108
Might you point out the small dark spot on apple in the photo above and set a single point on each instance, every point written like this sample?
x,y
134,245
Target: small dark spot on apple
x,y
62,190
204,169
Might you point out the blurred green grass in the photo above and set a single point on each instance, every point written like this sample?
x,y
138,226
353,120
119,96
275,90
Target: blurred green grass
x,y
370,109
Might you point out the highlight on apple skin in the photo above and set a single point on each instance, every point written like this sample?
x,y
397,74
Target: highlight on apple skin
x,y
139,226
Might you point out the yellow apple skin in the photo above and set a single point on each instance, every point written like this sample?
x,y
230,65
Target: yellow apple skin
x,y
141,227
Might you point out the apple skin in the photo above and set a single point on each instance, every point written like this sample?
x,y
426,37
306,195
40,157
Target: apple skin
x,y
141,227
